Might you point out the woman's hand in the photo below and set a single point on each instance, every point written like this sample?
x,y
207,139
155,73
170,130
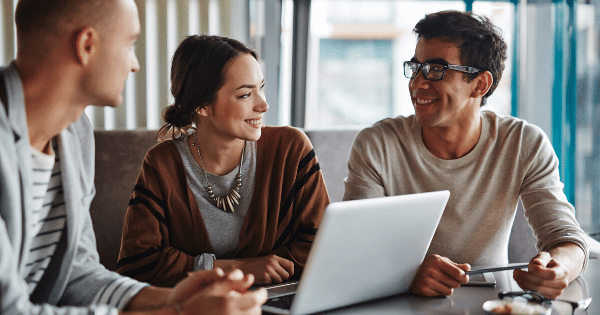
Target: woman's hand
x,y
266,269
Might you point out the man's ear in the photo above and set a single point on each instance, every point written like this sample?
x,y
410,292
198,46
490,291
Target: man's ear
x,y
86,45
484,83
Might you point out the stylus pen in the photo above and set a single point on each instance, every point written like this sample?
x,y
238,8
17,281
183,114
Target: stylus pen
x,y
509,267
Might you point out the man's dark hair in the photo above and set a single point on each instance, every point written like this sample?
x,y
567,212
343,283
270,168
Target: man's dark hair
x,y
479,41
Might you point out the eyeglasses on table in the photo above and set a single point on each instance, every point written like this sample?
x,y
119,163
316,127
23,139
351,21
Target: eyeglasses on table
x,y
561,306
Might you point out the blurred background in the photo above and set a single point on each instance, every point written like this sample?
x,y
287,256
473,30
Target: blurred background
x,y
337,64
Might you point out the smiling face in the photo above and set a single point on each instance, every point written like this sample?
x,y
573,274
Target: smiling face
x,y
240,103
449,101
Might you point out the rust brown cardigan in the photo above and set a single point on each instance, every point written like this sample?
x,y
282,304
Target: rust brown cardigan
x,y
163,229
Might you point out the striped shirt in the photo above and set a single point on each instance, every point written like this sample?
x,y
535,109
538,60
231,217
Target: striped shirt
x,y
48,222
48,216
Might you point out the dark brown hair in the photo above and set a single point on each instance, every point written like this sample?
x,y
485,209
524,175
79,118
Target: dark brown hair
x,y
197,73
478,39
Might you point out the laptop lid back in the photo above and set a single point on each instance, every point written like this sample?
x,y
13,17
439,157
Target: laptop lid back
x,y
368,249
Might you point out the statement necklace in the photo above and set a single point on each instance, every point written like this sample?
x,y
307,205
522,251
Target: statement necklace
x,y
227,202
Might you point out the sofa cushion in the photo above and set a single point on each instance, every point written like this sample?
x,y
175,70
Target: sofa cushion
x,y
332,148
119,157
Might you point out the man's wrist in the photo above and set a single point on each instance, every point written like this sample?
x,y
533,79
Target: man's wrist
x,y
150,298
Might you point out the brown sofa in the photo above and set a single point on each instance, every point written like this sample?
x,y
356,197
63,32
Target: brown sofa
x,y
119,156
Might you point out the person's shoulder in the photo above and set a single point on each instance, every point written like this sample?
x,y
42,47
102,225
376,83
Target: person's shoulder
x,y
519,135
82,129
164,146
514,126
392,125
162,151
291,140
382,130
278,131
78,138
503,121
283,133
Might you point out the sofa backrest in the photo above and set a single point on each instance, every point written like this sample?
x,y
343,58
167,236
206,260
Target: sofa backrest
x,y
332,148
119,156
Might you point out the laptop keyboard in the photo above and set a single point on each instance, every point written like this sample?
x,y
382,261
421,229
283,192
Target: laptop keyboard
x,y
282,302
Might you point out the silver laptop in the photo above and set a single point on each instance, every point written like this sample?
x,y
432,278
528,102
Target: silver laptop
x,y
363,250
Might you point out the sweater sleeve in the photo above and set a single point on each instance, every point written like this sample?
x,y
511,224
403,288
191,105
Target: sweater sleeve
x,y
307,200
147,253
89,279
547,209
364,172
15,298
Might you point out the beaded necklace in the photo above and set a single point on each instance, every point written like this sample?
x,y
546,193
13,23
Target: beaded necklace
x,y
227,202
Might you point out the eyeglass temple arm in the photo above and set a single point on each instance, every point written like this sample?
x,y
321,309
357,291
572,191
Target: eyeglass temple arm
x,y
464,68
472,70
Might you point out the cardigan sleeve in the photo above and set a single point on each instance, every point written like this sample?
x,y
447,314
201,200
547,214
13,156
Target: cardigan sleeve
x,y
157,205
307,200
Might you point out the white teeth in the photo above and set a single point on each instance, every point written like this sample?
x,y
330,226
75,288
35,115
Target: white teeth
x,y
254,122
424,102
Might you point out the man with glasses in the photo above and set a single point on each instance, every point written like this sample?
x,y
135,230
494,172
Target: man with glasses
x,y
487,162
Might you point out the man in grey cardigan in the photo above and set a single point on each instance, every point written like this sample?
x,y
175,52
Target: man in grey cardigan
x,y
487,161
72,53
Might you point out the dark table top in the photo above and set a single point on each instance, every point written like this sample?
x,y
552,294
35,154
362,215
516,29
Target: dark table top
x,y
470,299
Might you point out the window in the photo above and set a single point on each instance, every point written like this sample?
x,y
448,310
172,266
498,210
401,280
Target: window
x,y
587,111
355,55
351,82
354,52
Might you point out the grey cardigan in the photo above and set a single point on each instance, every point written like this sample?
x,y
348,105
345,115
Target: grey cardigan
x,y
75,275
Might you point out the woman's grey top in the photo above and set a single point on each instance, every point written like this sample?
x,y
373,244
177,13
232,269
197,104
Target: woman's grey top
x,y
223,227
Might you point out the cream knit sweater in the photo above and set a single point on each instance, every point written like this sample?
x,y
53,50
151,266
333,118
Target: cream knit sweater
x,y
513,159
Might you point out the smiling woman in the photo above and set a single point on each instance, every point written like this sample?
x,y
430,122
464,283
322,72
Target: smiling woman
x,y
221,189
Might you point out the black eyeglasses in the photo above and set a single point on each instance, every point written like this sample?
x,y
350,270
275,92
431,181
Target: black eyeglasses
x,y
433,71
538,298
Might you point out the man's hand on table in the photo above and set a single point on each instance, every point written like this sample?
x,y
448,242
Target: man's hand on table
x,y
227,295
203,292
439,276
549,273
